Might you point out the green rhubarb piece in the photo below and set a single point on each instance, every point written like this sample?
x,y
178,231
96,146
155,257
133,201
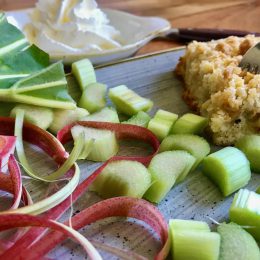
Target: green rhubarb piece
x,y
122,178
228,168
236,243
181,224
160,127
40,116
194,144
105,144
245,211
162,123
140,119
127,101
165,168
166,115
84,72
5,108
93,97
189,124
106,114
73,88
250,145
193,241
63,117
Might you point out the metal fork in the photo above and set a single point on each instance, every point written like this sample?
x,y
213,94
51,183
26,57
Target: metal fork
x,y
251,60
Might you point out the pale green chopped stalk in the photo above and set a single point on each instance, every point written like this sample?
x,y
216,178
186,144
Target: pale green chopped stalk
x,y
122,178
195,245
250,145
76,151
160,127
93,97
162,123
228,168
86,149
127,101
189,124
63,117
165,168
73,87
104,146
140,119
175,224
166,115
195,145
236,243
107,114
39,116
245,211
193,240
84,72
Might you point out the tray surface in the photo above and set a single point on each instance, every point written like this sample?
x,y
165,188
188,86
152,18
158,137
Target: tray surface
x,y
196,198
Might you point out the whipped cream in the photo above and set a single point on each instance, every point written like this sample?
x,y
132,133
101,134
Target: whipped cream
x,y
71,27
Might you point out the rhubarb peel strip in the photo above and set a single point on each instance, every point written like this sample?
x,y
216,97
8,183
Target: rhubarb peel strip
x,y
156,220
9,221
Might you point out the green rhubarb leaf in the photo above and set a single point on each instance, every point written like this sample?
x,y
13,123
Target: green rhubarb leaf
x,y
25,74
21,64
11,38
47,87
17,58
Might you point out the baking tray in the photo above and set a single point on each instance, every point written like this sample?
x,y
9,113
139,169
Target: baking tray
x,y
196,198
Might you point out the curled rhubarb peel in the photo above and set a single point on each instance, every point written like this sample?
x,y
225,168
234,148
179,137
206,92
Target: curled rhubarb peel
x,y
114,207
56,212
9,221
15,175
37,136
12,183
78,146
54,148
6,184
7,146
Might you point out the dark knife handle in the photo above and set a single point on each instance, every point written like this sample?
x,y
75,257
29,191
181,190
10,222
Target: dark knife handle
x,y
203,34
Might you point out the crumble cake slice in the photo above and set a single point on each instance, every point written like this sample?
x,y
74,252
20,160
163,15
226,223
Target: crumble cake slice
x,y
217,88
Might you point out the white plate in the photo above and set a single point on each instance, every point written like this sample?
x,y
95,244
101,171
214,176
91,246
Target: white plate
x,y
135,30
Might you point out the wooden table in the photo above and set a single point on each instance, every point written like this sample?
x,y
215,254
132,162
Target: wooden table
x,y
230,14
